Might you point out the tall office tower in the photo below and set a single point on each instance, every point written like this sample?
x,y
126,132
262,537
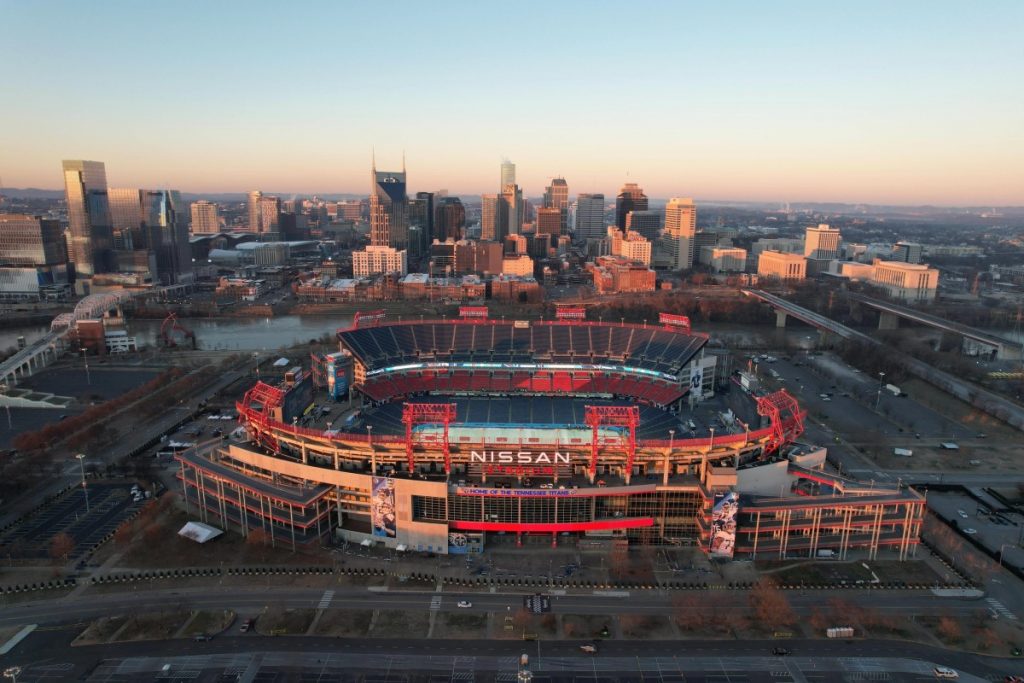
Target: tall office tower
x,y
270,218
680,230
126,220
254,211
449,218
549,220
91,246
205,218
294,226
630,198
165,218
389,209
508,173
590,216
821,245
647,223
33,257
515,209
421,223
556,196
490,207
907,252
294,205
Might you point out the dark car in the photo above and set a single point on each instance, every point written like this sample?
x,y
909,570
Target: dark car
x,y
246,625
202,638
781,651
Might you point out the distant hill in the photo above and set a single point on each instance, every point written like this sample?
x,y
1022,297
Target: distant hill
x,y
31,193
36,193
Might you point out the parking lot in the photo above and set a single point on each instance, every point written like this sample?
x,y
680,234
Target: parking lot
x,y
986,522
109,505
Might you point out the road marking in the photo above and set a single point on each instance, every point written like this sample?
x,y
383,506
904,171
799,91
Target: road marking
x,y
1001,609
435,602
325,601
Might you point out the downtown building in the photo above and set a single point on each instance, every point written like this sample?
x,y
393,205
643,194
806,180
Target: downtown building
x,y
389,209
678,239
782,266
589,218
90,236
556,196
376,260
205,218
821,246
150,229
33,258
630,198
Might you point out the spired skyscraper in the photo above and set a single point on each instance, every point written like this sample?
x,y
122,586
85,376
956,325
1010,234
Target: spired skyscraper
x,y
630,198
91,244
508,173
389,208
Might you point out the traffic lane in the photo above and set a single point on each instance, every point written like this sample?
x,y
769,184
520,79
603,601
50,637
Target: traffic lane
x,y
251,602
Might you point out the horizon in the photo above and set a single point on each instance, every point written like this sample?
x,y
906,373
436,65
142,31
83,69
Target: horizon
x,y
911,105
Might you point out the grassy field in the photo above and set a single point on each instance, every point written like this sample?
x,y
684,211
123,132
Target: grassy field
x,y
396,624
281,622
209,623
344,622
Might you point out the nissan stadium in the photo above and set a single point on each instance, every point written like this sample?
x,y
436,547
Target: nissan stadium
x,y
449,435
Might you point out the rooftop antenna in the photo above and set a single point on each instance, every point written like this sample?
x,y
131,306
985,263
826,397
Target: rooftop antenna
x,y
403,161
373,158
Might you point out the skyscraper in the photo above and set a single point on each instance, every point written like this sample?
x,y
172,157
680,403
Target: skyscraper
x,y
91,244
164,215
647,223
630,198
449,218
508,173
549,220
514,208
205,218
126,219
490,225
590,216
556,196
389,209
254,211
680,229
33,257
421,223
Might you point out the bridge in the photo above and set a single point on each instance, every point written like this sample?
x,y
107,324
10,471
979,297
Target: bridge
x,y
890,314
784,309
983,399
49,348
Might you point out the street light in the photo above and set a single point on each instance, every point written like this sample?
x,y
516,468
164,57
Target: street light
x,y
85,489
3,390
85,357
881,376
12,672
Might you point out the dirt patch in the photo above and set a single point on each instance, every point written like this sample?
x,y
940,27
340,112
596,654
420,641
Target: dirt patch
x,y
209,623
344,622
585,626
287,622
100,631
395,624
645,626
157,626
911,572
460,625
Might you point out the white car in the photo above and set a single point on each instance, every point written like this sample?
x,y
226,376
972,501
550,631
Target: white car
x,y
465,604
962,513
945,672
970,532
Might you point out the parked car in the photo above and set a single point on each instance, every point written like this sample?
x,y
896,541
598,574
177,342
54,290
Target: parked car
x,y
970,532
781,651
945,672
247,625
202,638
589,649
465,604
962,513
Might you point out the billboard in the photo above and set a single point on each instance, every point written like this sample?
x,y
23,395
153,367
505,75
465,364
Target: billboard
x,y
382,507
338,368
723,524
697,381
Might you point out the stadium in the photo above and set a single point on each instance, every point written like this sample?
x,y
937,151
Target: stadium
x,y
444,436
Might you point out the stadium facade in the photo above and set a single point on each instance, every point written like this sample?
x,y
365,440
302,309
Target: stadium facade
x,y
459,433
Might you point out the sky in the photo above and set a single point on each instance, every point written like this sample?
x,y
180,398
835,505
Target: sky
x,y
906,102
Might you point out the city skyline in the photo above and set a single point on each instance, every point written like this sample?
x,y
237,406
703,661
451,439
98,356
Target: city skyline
x,y
875,104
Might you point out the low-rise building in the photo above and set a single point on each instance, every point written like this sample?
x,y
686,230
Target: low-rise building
x,y
375,260
782,266
630,245
518,264
906,281
617,274
725,259
516,289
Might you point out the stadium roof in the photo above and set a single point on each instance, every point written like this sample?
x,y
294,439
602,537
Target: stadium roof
x,y
199,532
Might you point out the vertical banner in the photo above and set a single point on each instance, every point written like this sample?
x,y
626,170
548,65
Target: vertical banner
x,y
382,507
723,524
697,381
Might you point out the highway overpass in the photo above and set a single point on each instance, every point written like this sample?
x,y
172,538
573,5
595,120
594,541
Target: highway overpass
x,y
983,399
890,315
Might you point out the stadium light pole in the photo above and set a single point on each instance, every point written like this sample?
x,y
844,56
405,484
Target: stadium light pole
x,y
373,453
85,357
85,489
878,398
12,672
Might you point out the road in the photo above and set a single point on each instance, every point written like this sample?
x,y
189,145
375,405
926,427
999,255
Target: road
x,y
252,600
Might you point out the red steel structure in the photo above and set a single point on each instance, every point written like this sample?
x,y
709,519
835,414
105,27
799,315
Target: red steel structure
x,y
428,413
267,398
613,416
787,420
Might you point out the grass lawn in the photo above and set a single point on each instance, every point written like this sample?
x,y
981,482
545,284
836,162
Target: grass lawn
x,y
280,622
100,630
154,626
344,622
397,624
645,626
209,623
460,625
584,626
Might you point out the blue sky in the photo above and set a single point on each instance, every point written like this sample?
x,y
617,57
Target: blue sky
x,y
875,102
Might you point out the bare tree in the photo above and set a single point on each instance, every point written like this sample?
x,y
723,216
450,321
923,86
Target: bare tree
x,y
770,606
61,547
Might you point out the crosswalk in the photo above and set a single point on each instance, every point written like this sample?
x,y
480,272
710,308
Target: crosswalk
x,y
325,601
435,602
1001,609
